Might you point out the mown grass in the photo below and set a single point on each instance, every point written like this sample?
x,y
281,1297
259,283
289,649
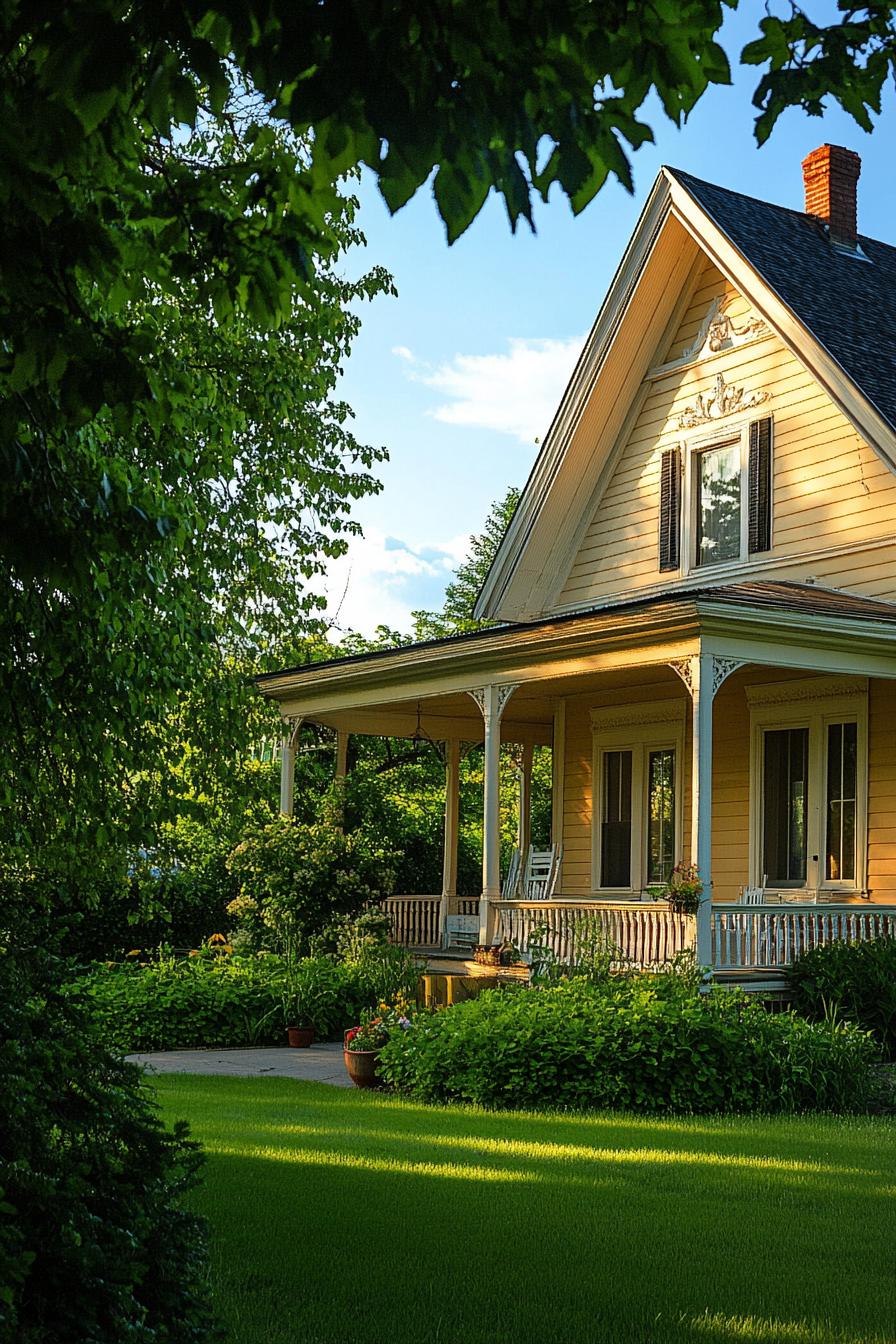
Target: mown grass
x,y
351,1217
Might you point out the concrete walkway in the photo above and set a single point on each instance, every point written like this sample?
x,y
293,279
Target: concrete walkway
x,y
317,1064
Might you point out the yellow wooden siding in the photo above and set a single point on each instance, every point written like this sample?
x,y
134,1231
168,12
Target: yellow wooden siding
x,y
576,878
731,783
831,490
882,791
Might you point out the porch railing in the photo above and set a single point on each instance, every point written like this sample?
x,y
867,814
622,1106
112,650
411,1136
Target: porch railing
x,y
744,938
415,920
647,935
770,936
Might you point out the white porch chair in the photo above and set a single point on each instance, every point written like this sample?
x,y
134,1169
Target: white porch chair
x,y
511,883
542,872
752,896
462,931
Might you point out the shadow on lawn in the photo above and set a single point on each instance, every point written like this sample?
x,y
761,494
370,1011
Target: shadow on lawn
x,y
345,1218
336,1245
735,1139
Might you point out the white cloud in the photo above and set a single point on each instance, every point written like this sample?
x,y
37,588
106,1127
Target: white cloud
x,y
382,579
514,393
404,353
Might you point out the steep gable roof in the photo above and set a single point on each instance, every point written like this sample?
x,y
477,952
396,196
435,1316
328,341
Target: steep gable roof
x,y
835,312
848,304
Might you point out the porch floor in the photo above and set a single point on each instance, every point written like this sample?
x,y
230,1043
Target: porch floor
x,y
457,962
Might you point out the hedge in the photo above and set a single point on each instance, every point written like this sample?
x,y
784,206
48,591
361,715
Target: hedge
x,y
635,1044
855,981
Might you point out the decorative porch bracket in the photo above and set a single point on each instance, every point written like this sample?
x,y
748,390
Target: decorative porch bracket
x,y
492,701
288,745
703,675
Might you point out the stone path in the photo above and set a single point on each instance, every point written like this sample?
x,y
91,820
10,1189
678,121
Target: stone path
x,y
318,1064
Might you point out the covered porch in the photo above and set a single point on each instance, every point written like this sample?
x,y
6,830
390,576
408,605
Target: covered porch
x,y
697,683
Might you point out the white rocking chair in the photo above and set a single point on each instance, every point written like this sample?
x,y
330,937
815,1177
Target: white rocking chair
x,y
542,873
753,896
511,884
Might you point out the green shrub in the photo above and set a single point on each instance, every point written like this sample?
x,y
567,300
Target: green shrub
x,y
299,877
855,980
216,1000
639,1043
95,1244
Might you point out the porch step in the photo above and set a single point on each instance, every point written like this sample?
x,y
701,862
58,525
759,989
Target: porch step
x,y
770,984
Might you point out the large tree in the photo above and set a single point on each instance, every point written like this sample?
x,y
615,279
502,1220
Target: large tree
x,y
161,246
157,550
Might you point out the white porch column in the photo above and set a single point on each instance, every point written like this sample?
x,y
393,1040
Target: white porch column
x,y
452,823
288,746
341,754
701,797
558,751
491,700
703,674
524,824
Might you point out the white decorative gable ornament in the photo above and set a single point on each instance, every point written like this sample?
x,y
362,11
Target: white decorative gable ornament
x,y
721,332
725,399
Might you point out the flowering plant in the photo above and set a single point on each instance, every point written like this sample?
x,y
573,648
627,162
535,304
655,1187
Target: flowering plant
x,y
375,1027
682,890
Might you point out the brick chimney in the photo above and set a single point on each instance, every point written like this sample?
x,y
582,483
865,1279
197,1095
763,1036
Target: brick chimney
x,y
830,174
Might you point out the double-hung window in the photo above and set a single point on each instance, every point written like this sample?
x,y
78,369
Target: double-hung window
x,y
716,497
637,795
808,787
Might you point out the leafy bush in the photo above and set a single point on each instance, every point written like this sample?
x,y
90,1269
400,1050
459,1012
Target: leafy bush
x,y
299,877
640,1043
855,980
216,1000
94,1242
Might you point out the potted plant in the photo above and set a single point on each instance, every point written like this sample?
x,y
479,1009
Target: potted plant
x,y
682,890
362,1044
296,1014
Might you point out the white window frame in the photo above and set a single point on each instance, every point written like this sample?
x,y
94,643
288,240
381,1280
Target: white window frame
x,y
736,430
640,729
814,705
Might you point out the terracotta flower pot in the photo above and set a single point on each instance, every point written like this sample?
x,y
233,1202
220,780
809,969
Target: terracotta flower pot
x,y
361,1067
300,1037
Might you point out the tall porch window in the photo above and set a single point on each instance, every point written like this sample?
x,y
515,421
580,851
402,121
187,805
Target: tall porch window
x,y
785,779
809,785
616,825
637,803
660,815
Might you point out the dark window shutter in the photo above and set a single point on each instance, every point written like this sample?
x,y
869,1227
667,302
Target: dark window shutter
x,y
760,515
670,508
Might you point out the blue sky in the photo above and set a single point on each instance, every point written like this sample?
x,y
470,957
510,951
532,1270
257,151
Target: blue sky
x,y
461,373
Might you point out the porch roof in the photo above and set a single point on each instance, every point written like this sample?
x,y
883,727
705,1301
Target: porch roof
x,y
546,658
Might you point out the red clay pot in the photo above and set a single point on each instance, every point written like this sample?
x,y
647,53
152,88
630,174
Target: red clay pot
x,y
361,1067
300,1037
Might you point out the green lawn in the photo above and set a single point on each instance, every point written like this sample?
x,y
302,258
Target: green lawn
x,y
347,1218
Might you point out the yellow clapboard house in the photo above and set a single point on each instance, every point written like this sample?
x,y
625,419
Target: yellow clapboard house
x,y
697,604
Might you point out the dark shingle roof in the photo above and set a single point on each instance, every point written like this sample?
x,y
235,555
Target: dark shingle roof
x,y
798,599
771,595
849,305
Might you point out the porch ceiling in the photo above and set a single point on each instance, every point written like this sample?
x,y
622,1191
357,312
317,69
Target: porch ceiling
x,y
529,716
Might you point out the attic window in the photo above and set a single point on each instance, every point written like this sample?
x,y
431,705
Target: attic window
x,y
723,512
717,505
